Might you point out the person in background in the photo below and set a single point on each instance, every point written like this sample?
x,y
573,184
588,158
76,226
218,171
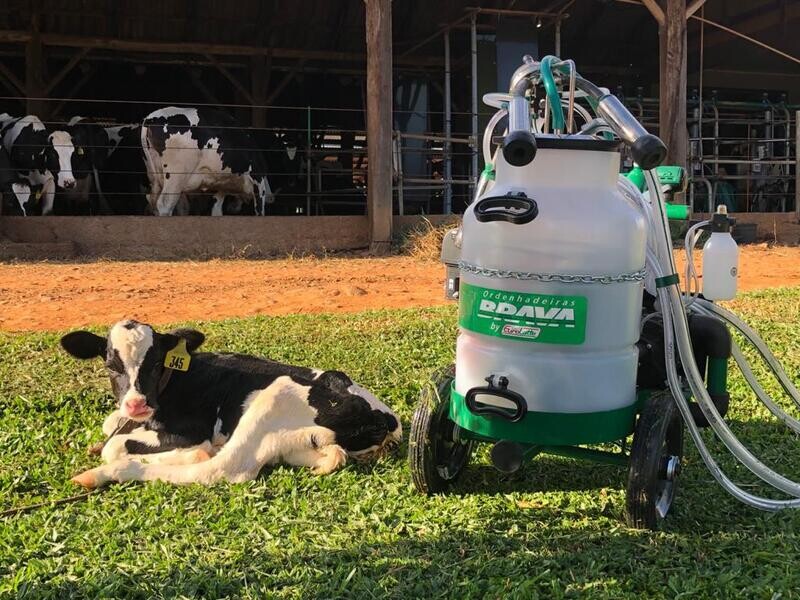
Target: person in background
x,y
725,192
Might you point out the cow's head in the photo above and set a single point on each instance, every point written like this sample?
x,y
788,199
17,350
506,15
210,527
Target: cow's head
x,y
135,356
91,147
58,158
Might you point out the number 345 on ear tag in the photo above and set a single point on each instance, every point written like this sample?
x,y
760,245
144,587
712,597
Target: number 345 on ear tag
x,y
178,358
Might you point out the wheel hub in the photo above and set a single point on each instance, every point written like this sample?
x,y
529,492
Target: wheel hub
x,y
671,467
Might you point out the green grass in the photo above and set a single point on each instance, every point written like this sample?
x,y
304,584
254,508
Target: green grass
x,y
553,530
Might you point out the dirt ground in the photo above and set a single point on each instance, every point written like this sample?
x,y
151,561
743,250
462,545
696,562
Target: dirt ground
x,y
49,296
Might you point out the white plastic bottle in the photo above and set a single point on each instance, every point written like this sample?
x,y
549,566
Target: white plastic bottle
x,y
720,259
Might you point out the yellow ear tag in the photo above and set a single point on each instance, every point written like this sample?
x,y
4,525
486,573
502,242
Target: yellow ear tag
x,y
80,151
39,194
178,358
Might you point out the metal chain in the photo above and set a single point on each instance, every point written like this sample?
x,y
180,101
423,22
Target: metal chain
x,y
551,277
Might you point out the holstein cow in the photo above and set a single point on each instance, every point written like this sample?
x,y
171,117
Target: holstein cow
x,y
41,157
201,150
17,196
92,146
124,174
182,406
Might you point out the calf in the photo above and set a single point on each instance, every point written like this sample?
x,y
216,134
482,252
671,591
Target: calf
x,y
257,411
39,156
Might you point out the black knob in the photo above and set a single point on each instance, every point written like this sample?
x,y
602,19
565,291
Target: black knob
x,y
648,151
519,148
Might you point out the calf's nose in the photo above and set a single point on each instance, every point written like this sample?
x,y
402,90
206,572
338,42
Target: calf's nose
x,y
69,183
135,404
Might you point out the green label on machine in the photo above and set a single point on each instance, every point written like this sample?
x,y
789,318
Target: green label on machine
x,y
523,317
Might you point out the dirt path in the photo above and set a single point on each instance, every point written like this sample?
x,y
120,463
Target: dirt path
x,y
48,296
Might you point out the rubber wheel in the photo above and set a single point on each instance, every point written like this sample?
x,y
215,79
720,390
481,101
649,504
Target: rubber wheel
x,y
436,454
655,457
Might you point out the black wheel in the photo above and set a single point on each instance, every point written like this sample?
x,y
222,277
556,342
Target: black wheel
x,y
436,453
656,455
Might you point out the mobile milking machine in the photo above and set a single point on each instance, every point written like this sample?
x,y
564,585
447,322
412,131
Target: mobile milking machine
x,y
573,331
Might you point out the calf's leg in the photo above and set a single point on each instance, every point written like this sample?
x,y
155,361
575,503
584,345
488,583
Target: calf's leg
x,y
321,461
276,423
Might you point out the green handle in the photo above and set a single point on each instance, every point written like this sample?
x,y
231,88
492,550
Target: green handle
x,y
677,212
668,175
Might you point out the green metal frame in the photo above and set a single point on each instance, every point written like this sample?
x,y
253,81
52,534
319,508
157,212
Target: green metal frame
x,y
547,428
561,434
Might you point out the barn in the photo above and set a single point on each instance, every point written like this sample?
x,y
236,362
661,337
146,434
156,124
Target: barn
x,y
368,114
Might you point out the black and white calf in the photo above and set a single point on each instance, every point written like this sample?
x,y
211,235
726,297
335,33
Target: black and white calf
x,y
192,150
241,411
40,156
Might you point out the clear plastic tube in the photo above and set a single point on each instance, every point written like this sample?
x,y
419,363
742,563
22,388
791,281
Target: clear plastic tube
x,y
676,333
488,133
762,347
752,381
689,242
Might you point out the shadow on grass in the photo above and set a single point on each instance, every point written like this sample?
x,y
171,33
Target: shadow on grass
x,y
503,561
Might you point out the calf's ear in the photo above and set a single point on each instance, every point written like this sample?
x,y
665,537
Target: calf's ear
x,y
194,339
84,344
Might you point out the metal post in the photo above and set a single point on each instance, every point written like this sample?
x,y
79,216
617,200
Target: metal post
x,y
448,158
397,144
308,163
474,48
796,165
558,37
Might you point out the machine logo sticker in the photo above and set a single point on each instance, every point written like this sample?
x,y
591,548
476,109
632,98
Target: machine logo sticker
x,y
521,331
523,317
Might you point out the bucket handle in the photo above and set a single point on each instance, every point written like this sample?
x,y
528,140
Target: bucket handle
x,y
517,209
499,392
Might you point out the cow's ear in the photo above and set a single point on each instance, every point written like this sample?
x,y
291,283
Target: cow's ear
x,y
84,344
194,339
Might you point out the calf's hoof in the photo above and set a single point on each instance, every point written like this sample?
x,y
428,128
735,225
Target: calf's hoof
x,y
333,457
87,479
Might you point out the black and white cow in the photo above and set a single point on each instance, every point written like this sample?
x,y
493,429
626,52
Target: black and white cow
x,y
239,411
123,175
92,146
40,156
201,150
16,195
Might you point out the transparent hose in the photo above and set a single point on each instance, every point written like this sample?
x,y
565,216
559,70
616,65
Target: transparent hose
x,y
689,242
752,381
488,133
762,347
676,331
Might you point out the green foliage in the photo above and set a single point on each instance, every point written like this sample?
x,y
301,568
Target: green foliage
x,y
553,530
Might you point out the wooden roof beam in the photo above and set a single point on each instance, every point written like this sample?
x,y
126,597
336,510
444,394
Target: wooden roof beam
x,y
232,78
54,39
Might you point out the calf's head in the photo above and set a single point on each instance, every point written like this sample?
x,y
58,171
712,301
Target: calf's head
x,y
134,355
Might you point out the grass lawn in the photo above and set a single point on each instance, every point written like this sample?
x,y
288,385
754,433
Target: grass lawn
x,y
552,530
